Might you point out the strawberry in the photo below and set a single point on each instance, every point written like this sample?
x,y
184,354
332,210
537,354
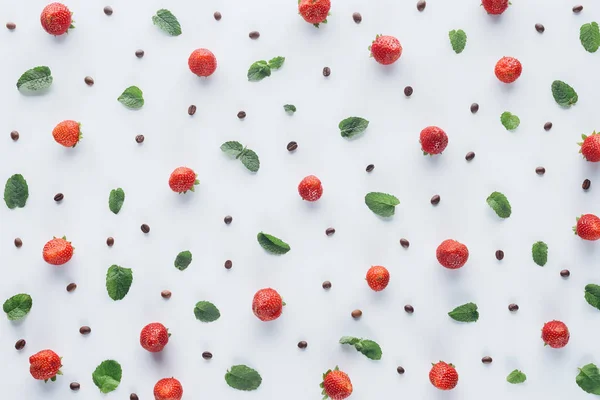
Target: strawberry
x,y
378,278
56,19
336,385
495,7
67,133
314,11
202,62
590,147
588,227
555,334
433,140
385,49
452,254
183,179
168,389
154,337
310,188
443,376
267,304
57,251
508,69
45,365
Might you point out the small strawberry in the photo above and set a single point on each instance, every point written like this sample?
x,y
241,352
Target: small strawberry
x,y
336,385
183,179
45,365
56,19
57,251
590,147
202,62
588,227
443,376
433,140
314,11
378,278
452,254
154,337
495,7
555,334
310,188
267,304
168,389
385,49
67,133
508,69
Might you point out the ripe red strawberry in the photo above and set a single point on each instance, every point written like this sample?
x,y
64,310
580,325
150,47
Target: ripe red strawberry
x,y
378,278
154,337
433,140
57,251
168,389
67,133
45,365
588,227
495,7
56,19
555,334
267,304
452,254
314,11
385,49
183,179
202,62
508,69
336,385
443,376
590,147
310,188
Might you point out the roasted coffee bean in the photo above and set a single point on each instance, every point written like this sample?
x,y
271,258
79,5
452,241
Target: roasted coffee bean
x,y
254,35
139,138
548,126
18,242
207,355
356,314
108,10
565,273
14,135
192,110
408,91
110,241
409,309
133,396
302,344
577,9
400,370
421,4
75,386
217,15
85,330
241,114
474,108
513,307
326,71
357,17
435,200
88,80
11,26
59,197
71,287
145,228
370,168
326,285
470,155
292,146
586,184
228,264
228,219
166,294
486,360
139,53
540,28
329,231
20,344
540,170
499,255
404,243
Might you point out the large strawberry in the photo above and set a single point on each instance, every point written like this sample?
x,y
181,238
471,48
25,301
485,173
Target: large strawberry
x,y
267,304
310,188
555,334
452,254
57,251
154,337
56,19
495,7
336,385
45,365
183,179
385,49
168,389
67,133
314,11
443,376
590,147
202,62
588,227
508,69
433,140
378,278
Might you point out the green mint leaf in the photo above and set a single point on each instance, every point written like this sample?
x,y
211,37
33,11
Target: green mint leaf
x,y
118,282
458,40
276,63
516,377
349,340
241,377
116,200
107,376
16,192
37,78
272,244
183,260
167,22
592,295
589,35
259,71
382,204
539,252
510,121
132,98
250,160
18,306
499,204
564,95
352,126
205,311
232,148
290,108
588,379
369,348
465,313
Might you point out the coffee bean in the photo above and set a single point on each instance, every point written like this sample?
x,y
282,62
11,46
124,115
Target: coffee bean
x,y
139,53
71,287
74,386
329,231
370,168
586,184
20,344
486,360
241,114
145,228
421,5
326,71
166,294
356,314
540,28
85,330
292,146
540,170
400,370
357,17
59,197
139,138
11,26
110,241
474,108
108,10
565,273
133,396
547,126
228,219
217,15
88,80
577,9
18,242
409,309
207,355
408,91
192,110
14,135
435,200
513,307
326,285
404,243
228,264
254,35
470,155
499,255
302,344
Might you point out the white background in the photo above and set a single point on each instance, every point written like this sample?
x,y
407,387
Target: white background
x,y
445,84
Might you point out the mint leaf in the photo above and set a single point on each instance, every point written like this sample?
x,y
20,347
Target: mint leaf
x,y
132,98
250,160
37,78
259,71
465,313
499,204
107,376
369,348
183,260
563,94
18,306
232,148
241,377
588,379
516,377
539,252
290,108
118,282
116,200
206,311
592,295
349,340
352,126
276,63
382,204
16,192
510,121
272,244
458,40
166,21
589,35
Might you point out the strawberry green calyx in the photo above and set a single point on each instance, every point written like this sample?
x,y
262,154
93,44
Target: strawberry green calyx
x,y
196,182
